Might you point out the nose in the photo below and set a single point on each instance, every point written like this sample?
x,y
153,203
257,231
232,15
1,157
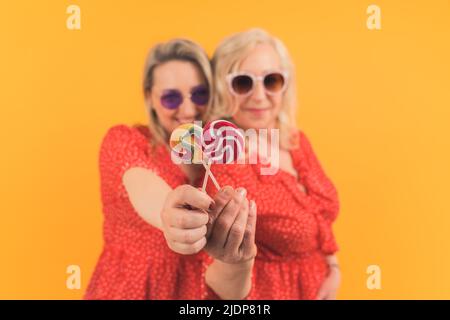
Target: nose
x,y
187,109
259,93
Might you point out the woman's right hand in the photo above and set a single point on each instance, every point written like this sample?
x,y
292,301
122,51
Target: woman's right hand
x,y
184,219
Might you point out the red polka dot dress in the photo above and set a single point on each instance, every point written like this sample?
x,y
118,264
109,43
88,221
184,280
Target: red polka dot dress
x,y
136,262
293,228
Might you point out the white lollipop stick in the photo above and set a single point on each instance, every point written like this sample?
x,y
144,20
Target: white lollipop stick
x,y
210,174
205,179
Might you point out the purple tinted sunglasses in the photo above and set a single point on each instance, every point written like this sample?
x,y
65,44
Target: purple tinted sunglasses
x,y
173,98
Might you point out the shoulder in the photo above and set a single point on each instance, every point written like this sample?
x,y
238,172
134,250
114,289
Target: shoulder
x,y
303,152
304,142
123,137
125,147
125,144
122,132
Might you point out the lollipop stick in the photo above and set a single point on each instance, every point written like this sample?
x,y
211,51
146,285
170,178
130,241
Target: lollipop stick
x,y
209,173
205,180
216,184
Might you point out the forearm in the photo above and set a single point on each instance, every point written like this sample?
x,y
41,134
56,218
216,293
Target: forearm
x,y
147,193
230,281
332,260
333,263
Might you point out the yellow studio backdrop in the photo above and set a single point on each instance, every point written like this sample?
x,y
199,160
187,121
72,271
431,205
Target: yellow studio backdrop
x,y
375,104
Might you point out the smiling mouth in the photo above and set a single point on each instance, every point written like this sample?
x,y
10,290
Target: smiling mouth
x,y
256,110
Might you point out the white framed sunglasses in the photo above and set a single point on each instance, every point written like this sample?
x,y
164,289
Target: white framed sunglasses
x,y
243,83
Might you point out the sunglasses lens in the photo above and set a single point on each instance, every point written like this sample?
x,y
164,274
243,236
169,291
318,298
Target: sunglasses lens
x,y
200,95
171,99
274,82
242,84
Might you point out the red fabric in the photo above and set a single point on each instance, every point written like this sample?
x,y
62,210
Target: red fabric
x,y
136,262
293,229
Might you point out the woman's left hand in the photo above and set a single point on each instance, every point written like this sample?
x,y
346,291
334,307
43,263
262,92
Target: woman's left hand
x,y
329,288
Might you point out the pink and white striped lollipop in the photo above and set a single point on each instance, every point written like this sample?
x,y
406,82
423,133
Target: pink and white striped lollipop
x,y
222,142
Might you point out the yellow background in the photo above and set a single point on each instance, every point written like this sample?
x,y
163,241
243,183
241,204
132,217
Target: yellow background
x,y
374,103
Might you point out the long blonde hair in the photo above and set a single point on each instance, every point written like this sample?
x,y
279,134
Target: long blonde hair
x,y
176,49
226,59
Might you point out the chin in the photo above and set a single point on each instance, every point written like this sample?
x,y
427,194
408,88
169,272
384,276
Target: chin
x,y
261,122
252,124
256,121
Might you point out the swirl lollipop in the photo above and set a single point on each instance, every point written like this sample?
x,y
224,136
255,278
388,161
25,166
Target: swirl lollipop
x,y
222,143
185,142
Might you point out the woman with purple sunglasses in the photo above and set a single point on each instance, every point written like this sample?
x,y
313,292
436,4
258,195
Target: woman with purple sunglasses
x,y
156,219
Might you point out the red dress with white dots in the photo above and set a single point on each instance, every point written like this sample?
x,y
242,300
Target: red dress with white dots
x,y
293,229
136,262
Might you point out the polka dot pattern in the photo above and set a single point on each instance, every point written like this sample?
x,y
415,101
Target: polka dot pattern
x,y
294,228
136,262
293,231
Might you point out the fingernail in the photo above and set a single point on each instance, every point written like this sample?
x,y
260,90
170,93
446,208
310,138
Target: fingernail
x,y
212,205
252,204
227,190
242,192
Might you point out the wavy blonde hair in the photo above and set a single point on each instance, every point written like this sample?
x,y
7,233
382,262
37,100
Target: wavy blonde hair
x,y
227,58
176,49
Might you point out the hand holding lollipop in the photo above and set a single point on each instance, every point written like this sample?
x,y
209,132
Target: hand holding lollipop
x,y
221,142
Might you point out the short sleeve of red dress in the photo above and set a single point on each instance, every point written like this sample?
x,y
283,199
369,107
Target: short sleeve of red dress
x,y
122,148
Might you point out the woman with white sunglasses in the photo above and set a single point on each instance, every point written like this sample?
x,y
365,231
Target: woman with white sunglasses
x,y
255,88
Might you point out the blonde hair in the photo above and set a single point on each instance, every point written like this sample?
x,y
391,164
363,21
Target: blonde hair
x,y
176,49
227,58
